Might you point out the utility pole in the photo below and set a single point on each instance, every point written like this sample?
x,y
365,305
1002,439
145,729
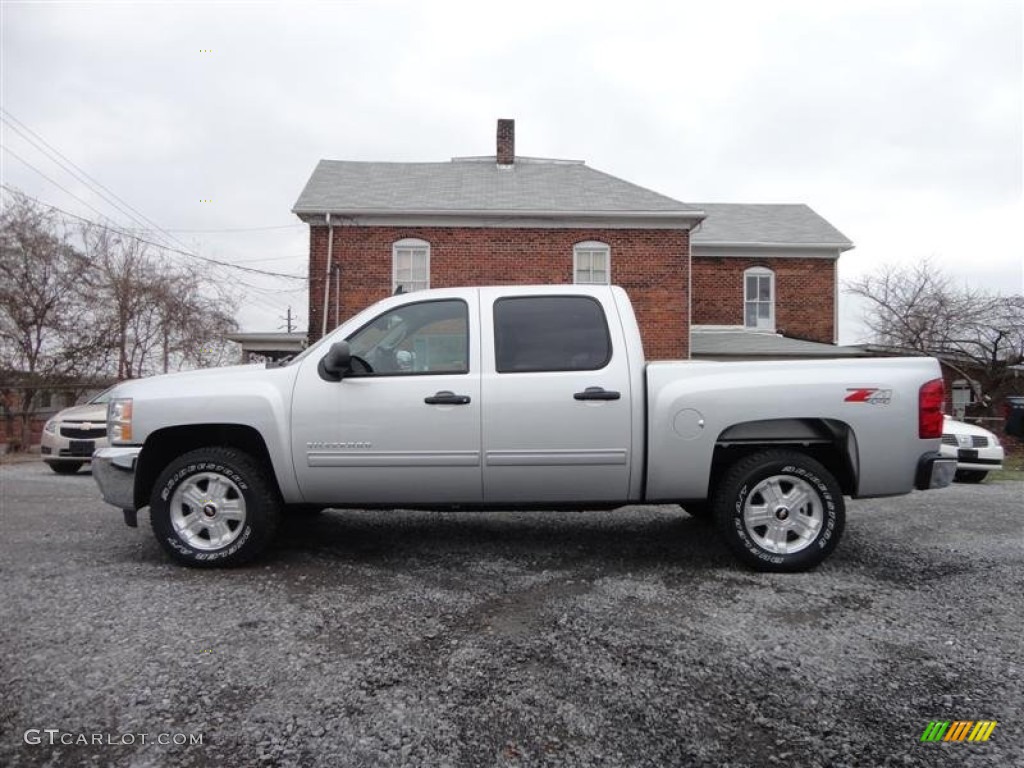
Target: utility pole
x,y
289,322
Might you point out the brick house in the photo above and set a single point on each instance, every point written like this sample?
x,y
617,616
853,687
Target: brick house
x,y
765,283
504,219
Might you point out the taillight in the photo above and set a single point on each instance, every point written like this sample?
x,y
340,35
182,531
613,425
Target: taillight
x,y
929,409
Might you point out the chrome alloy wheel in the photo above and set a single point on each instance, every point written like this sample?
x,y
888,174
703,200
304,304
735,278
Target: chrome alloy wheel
x,y
208,511
783,514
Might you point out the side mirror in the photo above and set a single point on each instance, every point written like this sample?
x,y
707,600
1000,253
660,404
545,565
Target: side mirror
x,y
337,362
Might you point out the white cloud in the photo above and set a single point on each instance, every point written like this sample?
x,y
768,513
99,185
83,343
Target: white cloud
x,y
900,122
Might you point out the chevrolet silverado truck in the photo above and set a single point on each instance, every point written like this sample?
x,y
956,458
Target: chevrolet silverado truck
x,y
518,397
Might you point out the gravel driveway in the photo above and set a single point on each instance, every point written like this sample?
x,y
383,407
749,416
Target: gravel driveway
x,y
516,639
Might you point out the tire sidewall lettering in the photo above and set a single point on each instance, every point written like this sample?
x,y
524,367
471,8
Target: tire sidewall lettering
x,y
210,557
251,528
193,469
821,490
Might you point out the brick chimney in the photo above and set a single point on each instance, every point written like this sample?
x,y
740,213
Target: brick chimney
x,y
506,142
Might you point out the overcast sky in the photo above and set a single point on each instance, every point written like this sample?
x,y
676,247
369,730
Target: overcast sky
x,y
899,122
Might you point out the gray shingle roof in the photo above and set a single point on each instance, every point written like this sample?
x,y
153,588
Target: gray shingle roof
x,y
766,224
750,344
476,185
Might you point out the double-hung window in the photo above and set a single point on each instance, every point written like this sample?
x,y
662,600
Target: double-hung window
x,y
592,264
410,269
759,298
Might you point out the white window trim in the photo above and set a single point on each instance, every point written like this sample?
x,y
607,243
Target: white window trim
x,y
408,242
760,272
591,245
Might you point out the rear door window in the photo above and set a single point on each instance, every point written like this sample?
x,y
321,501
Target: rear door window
x,y
550,333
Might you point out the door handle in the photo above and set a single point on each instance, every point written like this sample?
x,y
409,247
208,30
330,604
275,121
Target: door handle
x,y
596,393
445,397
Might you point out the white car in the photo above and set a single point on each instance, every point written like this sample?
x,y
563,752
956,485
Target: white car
x,y
976,450
72,436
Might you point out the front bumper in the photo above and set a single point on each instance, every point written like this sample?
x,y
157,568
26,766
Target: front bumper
x,y
988,459
114,471
933,471
59,447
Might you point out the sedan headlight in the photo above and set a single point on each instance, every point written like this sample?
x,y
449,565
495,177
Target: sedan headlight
x,y
50,427
119,420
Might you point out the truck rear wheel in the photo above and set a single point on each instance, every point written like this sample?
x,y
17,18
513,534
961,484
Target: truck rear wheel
x,y
779,510
213,507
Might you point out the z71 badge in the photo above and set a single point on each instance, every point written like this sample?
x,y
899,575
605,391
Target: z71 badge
x,y
869,395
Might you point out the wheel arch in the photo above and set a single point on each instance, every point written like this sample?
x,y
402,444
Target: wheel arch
x,y
165,445
831,442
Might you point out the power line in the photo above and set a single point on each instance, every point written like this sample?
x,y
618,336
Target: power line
x,y
271,258
76,176
125,233
85,178
11,120
43,145
267,291
16,156
227,230
264,302
119,204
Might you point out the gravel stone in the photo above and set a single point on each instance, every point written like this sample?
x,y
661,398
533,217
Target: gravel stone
x,y
398,638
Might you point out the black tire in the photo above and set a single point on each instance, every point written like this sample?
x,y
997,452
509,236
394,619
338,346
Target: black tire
x,y
233,481
970,475
804,535
65,467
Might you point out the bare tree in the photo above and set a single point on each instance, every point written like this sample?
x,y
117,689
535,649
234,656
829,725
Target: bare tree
x,y
119,280
161,315
196,314
85,303
46,331
921,309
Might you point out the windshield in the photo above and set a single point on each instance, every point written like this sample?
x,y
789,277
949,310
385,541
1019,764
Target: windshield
x,y
306,352
104,396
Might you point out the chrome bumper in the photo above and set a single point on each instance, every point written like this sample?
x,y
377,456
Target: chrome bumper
x,y
114,471
934,471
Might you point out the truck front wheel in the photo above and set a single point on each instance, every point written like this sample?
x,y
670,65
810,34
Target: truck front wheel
x,y
213,507
780,511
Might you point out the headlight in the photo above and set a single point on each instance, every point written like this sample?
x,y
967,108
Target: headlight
x,y
119,420
51,427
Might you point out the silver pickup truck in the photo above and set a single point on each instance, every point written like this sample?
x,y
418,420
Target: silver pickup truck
x,y
516,397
